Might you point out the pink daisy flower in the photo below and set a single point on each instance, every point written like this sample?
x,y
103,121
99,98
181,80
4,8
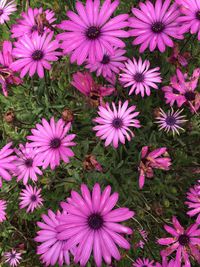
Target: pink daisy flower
x,y
51,249
193,202
182,90
6,9
186,243
52,142
27,164
31,198
156,159
6,163
3,206
113,124
34,54
171,121
12,258
93,225
143,262
190,19
154,25
91,32
140,77
7,76
110,65
34,20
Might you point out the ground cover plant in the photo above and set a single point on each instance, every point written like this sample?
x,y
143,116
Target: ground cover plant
x,y
99,133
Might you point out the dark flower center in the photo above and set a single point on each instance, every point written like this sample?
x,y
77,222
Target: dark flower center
x,y
1,12
170,120
37,55
184,240
93,32
55,143
117,123
13,255
175,91
33,198
190,96
158,27
198,15
28,162
34,28
106,59
95,221
139,77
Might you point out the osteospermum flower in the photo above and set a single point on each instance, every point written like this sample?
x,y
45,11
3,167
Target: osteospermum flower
x,y
182,90
6,163
193,202
91,32
143,262
140,77
12,258
52,142
156,159
154,25
6,9
171,121
93,225
190,19
34,20
185,243
31,198
110,65
113,124
3,206
51,249
27,163
34,53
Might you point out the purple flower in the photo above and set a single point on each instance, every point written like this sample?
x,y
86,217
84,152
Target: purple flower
x,y
3,206
113,124
34,20
12,258
140,77
93,225
51,249
34,54
193,202
91,32
27,163
6,9
30,198
154,25
143,262
52,142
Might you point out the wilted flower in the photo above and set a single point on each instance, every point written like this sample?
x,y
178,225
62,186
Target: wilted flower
x,y
67,115
90,163
9,116
12,258
177,58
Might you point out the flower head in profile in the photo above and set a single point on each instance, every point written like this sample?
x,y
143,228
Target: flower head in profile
x,y
51,248
154,25
34,20
166,263
190,19
143,262
193,202
185,243
114,123
171,121
177,58
155,159
91,31
34,54
52,142
7,76
6,163
140,77
110,65
3,206
182,90
93,225
87,86
12,258
30,197
27,163
6,9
